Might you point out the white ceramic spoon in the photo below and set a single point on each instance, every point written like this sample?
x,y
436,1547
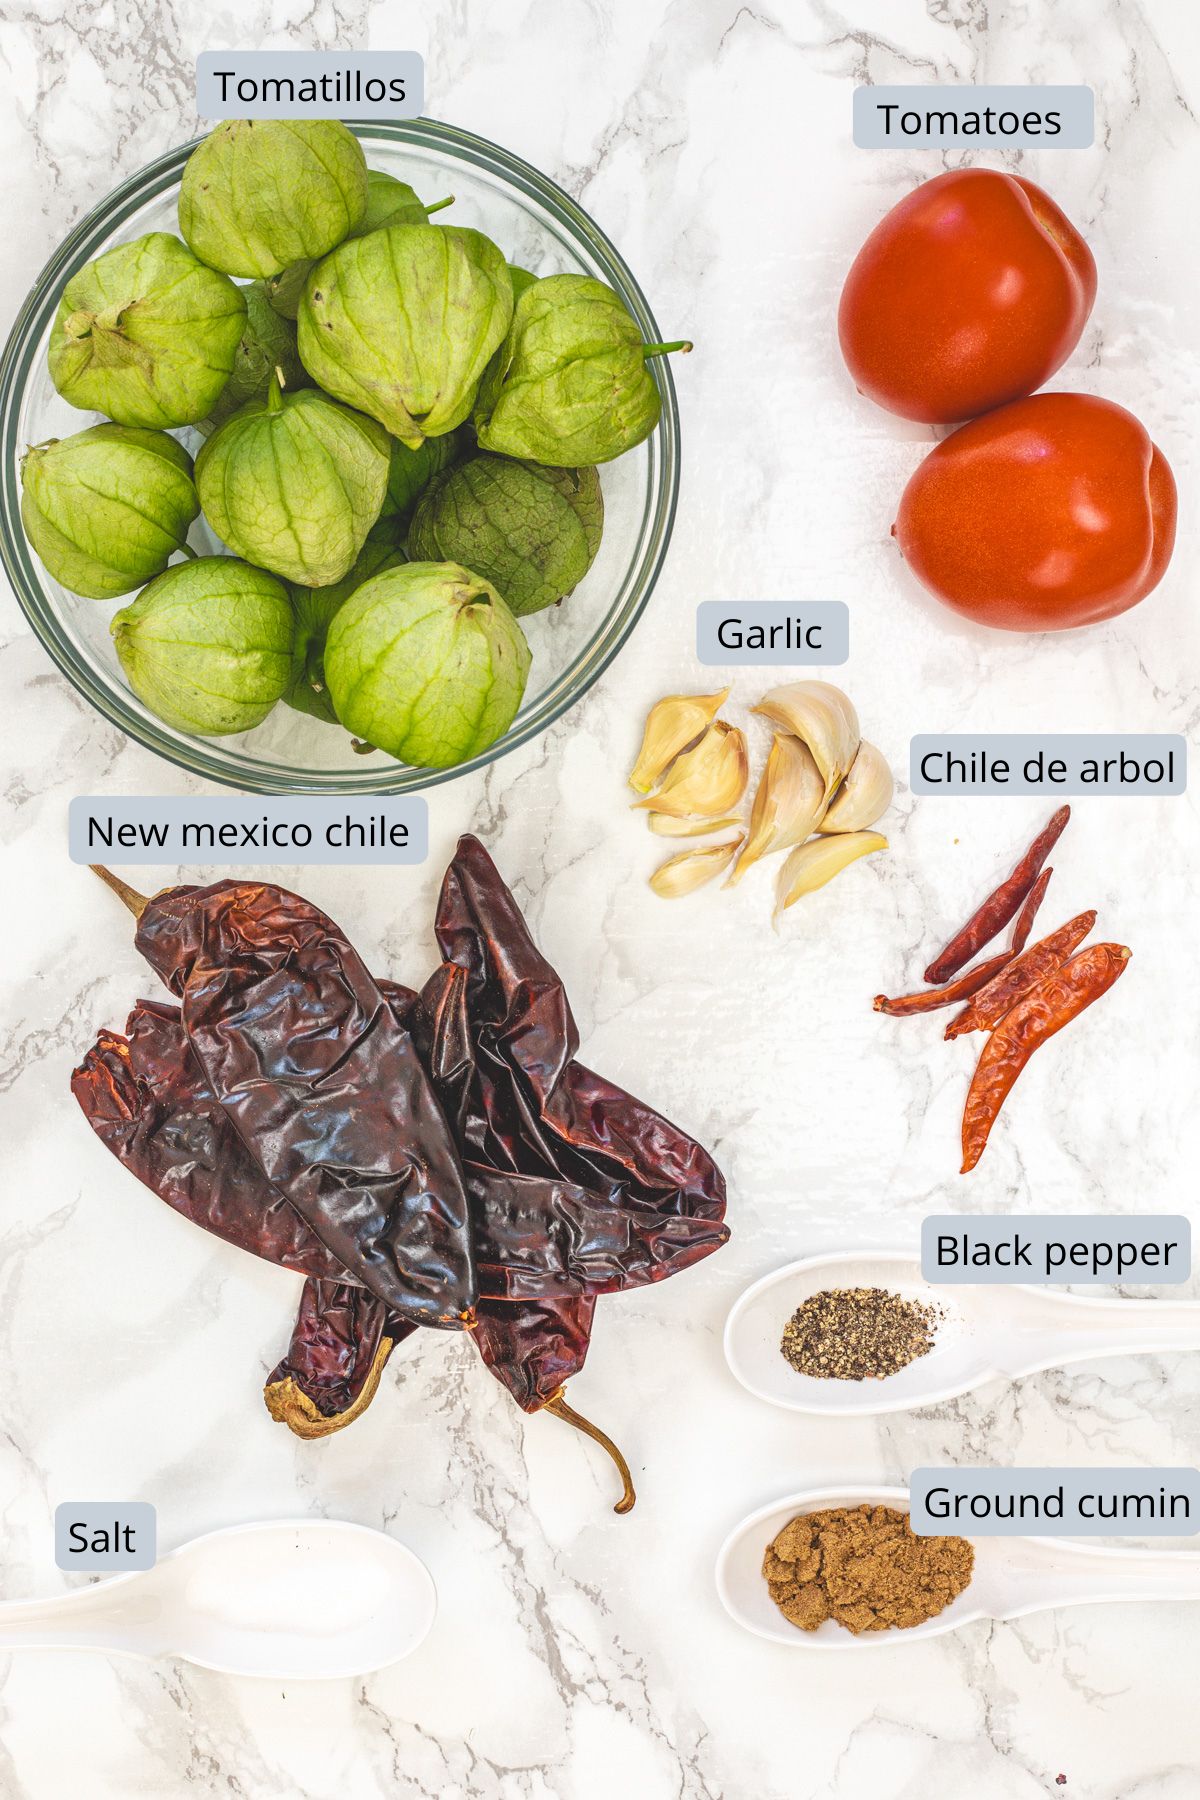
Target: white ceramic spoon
x,y
1012,1576
310,1599
983,1333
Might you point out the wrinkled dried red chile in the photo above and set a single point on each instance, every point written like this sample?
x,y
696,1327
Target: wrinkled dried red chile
x,y
435,1160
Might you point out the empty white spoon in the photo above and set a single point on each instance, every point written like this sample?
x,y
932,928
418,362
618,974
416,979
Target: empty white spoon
x,y
983,1332
1012,1576
297,1600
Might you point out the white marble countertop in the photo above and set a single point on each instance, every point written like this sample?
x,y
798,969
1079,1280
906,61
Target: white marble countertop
x,y
576,1654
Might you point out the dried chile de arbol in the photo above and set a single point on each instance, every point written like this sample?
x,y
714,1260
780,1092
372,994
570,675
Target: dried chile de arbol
x,y
1001,905
1030,907
930,999
1057,999
1021,976
322,1084
341,1341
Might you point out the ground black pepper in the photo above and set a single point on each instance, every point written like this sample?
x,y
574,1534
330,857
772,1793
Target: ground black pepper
x,y
857,1334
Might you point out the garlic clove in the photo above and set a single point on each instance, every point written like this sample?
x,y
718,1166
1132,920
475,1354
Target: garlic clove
x,y
811,865
864,796
706,780
663,825
671,726
822,717
789,801
691,869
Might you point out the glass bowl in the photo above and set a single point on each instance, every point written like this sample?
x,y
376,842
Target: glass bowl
x,y
536,225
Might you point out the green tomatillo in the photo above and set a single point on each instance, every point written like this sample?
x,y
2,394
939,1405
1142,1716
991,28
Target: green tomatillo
x,y
570,385
107,509
411,472
208,646
392,202
401,323
258,194
389,202
294,483
314,609
147,334
531,531
267,344
426,662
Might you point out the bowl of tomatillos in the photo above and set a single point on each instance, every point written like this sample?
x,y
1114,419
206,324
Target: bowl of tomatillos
x,y
336,460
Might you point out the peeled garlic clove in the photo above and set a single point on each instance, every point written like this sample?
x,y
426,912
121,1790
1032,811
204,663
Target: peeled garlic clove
x,y
787,805
811,865
864,796
821,716
706,780
684,873
671,726
663,825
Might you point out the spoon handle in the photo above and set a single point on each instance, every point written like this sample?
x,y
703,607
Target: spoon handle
x,y
1083,1574
1090,1328
107,1614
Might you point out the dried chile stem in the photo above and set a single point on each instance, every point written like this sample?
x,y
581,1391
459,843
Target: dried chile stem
x,y
289,1405
558,1406
137,903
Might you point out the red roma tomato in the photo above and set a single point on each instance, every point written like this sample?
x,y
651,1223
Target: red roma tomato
x,y
971,292
1052,512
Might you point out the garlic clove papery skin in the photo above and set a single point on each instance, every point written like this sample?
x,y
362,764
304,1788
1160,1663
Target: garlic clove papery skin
x,y
822,717
671,726
864,796
692,869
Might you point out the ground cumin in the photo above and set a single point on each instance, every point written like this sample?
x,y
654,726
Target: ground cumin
x,y
865,1567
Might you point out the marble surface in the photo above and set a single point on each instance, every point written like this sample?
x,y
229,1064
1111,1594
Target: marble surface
x,y
576,1654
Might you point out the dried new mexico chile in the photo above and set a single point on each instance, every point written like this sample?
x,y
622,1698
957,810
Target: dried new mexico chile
x,y
572,1188
322,1084
341,1341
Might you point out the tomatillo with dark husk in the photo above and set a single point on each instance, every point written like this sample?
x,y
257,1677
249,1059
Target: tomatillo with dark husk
x,y
294,483
531,531
411,472
267,345
108,508
428,663
208,645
